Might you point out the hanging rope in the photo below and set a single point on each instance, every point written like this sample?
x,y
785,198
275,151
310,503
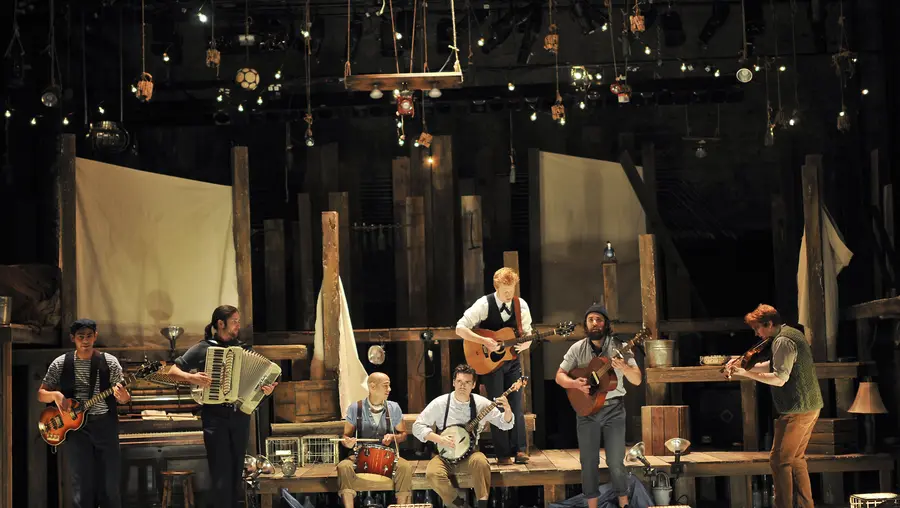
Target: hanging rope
x,y
143,41
308,118
425,35
393,36
777,71
347,63
612,39
455,47
412,50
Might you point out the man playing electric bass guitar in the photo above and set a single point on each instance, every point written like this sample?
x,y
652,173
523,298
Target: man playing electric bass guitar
x,y
493,312
609,422
92,452
459,407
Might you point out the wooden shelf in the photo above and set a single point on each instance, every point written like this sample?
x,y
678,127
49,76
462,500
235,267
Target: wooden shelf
x,y
24,334
884,308
410,80
712,374
135,354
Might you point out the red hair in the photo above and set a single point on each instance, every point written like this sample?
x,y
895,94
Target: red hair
x,y
763,314
505,277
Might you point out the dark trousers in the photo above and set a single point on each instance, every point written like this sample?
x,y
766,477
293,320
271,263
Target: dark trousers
x,y
608,427
95,463
226,433
507,442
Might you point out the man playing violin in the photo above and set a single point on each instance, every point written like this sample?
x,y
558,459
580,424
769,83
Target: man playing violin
x,y
374,417
795,393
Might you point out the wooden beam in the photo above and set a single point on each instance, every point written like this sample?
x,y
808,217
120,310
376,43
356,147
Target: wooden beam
x,y
655,220
511,260
875,204
611,289
276,295
418,300
812,214
535,268
885,308
785,274
750,410
472,248
712,373
240,201
35,448
331,292
340,202
65,203
655,393
443,291
400,178
307,273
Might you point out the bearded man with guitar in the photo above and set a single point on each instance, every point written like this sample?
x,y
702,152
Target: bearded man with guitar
x,y
92,453
458,408
608,422
493,312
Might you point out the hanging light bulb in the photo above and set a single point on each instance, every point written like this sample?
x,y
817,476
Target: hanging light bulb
x,y
165,57
647,50
582,105
399,35
533,116
717,73
7,114
865,91
683,67
756,68
202,17
481,41
259,100
401,141
376,93
33,120
219,98
435,92
134,89
511,86
782,68
50,97
65,121
562,121
430,160
396,92
278,74
308,139
101,110
605,27
240,107
416,143
399,124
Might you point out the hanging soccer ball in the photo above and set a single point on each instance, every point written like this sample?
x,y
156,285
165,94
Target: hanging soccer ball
x,y
248,79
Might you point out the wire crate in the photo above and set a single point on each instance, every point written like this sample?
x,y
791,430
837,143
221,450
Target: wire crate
x,y
319,449
279,448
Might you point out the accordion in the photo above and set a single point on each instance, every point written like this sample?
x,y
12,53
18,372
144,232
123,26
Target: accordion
x,y
237,377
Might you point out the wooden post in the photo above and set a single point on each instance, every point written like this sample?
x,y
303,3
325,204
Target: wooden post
x,y
656,393
340,202
307,273
331,292
240,200
875,203
535,268
750,409
418,300
511,260
65,200
276,295
400,181
6,422
440,220
812,213
611,289
785,275
35,446
472,248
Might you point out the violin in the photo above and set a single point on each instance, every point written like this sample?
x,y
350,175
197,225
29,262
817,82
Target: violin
x,y
751,357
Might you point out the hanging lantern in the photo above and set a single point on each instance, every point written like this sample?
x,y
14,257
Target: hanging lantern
x,y
557,110
621,89
144,87
637,19
405,105
425,139
247,78
551,40
213,58
843,121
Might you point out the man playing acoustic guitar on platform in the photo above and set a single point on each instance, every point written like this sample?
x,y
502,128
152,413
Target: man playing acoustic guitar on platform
x,y
459,407
374,417
795,392
493,312
609,422
92,453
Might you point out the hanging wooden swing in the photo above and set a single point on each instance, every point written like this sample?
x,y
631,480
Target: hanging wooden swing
x,y
406,80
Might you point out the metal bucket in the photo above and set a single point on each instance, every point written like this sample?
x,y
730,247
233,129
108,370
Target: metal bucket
x,y
5,310
660,353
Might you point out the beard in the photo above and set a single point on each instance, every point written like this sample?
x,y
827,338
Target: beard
x,y
596,334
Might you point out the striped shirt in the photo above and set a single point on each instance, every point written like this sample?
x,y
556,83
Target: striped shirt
x,y
83,379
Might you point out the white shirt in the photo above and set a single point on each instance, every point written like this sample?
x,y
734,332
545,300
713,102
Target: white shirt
x,y
432,417
478,312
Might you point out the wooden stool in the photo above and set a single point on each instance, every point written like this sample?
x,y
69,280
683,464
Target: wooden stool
x,y
187,486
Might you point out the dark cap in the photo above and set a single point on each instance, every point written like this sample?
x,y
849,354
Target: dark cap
x,y
599,309
83,323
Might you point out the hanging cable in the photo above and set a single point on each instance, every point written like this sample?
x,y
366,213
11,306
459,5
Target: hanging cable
x,y
777,56
412,49
349,19
794,52
121,72
393,36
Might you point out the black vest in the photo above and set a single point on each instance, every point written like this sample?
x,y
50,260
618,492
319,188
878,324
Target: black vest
x,y
99,372
494,321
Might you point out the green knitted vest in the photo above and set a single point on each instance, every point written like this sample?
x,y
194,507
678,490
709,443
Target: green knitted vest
x,y
800,394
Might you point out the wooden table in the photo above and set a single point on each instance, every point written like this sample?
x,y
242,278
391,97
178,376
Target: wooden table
x,y
554,469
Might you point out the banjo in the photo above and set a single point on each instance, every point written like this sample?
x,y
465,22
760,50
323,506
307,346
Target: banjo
x,y
466,435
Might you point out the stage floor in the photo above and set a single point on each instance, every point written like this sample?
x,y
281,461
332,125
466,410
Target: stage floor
x,y
555,468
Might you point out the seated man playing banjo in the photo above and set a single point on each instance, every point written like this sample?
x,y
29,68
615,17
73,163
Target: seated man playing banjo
x,y
460,407
369,423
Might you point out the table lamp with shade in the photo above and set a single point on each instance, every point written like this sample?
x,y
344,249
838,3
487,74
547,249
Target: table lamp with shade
x,y
868,403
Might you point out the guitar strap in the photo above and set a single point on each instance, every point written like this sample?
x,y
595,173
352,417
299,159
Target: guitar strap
x,y
518,312
359,410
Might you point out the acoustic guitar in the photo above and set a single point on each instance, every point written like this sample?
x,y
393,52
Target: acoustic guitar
x,y
601,378
485,361
465,436
54,424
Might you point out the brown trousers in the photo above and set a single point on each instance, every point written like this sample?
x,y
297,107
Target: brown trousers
x,y
438,472
788,459
349,482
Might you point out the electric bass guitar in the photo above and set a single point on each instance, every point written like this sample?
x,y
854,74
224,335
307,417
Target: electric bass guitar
x,y
485,361
466,435
601,378
54,424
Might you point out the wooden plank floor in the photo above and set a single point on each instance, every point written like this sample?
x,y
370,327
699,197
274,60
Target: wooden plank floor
x,y
562,467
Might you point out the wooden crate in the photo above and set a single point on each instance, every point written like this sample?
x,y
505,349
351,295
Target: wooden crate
x,y
661,423
307,401
834,436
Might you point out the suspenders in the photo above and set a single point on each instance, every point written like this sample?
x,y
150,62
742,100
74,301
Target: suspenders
x,y
473,412
359,411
